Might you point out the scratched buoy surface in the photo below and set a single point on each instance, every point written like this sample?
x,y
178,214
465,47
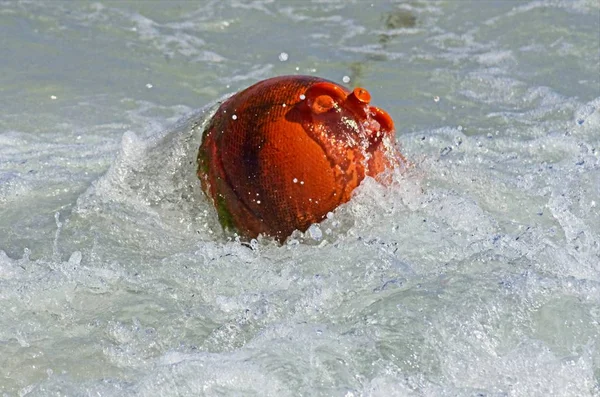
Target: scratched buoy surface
x,y
473,272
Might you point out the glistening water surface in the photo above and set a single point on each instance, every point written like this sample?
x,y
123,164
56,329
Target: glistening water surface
x,y
476,273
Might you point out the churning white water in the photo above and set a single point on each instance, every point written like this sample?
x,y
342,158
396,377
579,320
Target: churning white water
x,y
475,273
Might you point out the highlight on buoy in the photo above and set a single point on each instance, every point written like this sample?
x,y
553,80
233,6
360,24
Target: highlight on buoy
x,y
281,154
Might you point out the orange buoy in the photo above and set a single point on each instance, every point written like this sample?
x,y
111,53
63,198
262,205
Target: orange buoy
x,y
281,154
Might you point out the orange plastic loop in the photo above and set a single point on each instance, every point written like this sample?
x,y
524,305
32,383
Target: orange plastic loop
x,y
326,88
383,118
362,95
322,104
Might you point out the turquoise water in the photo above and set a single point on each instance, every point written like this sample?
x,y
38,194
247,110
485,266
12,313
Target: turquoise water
x,y
476,273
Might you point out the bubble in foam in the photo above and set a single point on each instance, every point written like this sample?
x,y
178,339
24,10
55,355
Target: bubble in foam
x,y
314,231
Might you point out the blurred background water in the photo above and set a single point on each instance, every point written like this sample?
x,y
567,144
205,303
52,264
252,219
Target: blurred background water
x,y
476,273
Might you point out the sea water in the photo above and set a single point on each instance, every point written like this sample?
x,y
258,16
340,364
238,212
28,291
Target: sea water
x,y
476,272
